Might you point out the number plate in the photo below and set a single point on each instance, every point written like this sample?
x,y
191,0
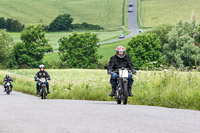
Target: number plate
x,y
123,73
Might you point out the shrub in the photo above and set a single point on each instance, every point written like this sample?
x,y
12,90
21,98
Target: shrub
x,y
144,51
79,50
61,23
161,32
33,47
6,43
181,51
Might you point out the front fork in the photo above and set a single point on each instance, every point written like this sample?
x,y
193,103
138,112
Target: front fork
x,y
120,86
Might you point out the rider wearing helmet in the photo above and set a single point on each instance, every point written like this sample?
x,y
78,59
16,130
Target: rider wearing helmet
x,y
7,79
42,74
118,61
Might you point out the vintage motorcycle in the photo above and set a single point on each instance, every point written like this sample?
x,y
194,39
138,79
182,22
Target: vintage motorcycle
x,y
8,87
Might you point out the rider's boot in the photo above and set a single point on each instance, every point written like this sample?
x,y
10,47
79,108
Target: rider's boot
x,y
37,92
129,91
4,89
48,89
113,91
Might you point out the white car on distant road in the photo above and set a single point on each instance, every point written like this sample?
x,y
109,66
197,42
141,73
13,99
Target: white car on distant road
x,y
130,5
121,36
130,10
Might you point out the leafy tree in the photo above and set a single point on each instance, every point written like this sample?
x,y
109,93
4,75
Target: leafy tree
x,y
79,50
161,32
144,50
61,23
13,25
33,47
181,51
2,23
6,43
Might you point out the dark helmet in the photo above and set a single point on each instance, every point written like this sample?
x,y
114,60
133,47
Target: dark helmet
x,y
7,76
120,49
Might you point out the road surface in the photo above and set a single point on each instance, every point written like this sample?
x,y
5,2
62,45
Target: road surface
x,y
132,23
22,113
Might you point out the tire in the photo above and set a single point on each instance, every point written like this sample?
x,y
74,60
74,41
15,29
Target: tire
x,y
8,90
118,101
44,93
125,95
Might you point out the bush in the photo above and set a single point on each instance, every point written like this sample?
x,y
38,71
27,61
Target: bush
x,y
181,51
161,32
79,50
11,25
86,26
33,47
144,51
61,23
6,43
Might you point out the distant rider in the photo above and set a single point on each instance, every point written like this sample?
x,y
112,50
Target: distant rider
x,y
42,74
8,79
119,60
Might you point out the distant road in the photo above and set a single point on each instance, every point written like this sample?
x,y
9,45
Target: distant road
x,y
132,23
22,113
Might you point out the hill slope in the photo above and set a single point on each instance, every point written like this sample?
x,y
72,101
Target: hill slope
x,y
107,13
154,12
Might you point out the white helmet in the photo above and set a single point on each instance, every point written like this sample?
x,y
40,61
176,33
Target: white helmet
x,y
41,66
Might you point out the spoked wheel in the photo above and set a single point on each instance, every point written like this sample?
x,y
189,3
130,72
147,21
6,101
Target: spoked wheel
x,y
125,96
44,93
118,99
8,90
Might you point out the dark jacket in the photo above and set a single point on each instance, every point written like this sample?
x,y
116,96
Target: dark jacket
x,y
7,80
42,74
116,63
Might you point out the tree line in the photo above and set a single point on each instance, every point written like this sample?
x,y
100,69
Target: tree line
x,y
161,47
62,22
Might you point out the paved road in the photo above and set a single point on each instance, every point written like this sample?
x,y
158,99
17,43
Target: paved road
x,y
132,23
21,113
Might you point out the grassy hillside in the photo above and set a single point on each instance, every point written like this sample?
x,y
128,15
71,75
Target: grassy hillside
x,y
106,13
168,89
155,12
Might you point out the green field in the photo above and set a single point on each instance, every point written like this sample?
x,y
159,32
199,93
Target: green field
x,y
155,12
172,89
106,13
55,36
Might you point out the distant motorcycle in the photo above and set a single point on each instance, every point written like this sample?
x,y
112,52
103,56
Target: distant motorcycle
x,y
42,88
8,87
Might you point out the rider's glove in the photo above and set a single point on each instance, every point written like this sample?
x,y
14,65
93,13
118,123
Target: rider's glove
x,y
109,72
133,71
49,78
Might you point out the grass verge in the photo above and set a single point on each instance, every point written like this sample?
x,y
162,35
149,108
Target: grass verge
x,y
171,89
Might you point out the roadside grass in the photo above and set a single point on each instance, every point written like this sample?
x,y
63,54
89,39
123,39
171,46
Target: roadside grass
x,y
106,13
156,12
172,89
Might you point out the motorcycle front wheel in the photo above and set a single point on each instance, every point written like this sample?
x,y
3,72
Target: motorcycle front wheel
x,y
125,94
8,90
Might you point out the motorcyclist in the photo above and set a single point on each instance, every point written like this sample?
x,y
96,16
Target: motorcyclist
x,y
42,74
119,60
8,79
